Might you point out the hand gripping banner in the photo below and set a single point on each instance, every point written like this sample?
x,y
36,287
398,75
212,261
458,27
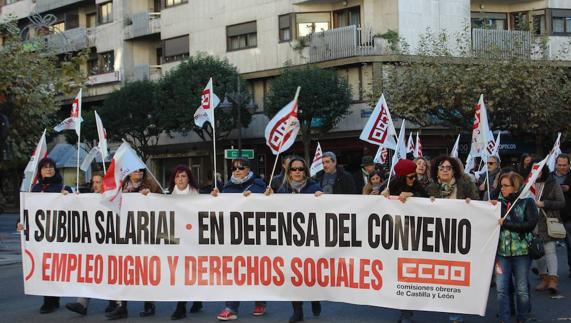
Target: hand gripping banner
x,y
418,255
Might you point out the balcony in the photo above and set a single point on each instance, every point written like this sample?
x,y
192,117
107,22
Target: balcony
x,y
143,24
502,43
104,78
47,5
70,40
345,42
147,72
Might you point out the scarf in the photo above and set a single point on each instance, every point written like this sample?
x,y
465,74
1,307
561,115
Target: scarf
x,y
176,191
243,180
448,190
296,187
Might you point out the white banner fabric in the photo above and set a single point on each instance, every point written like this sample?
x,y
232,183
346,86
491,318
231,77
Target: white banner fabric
x,y
418,255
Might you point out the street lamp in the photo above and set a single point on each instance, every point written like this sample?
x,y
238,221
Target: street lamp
x,y
234,101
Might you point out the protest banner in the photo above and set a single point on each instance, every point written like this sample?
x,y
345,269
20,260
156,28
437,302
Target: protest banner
x,y
418,255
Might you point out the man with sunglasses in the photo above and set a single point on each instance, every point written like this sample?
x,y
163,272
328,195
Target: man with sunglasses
x,y
333,179
493,175
242,181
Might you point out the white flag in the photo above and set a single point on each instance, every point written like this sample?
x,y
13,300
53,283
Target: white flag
x,y
209,101
417,153
30,173
282,130
102,133
554,153
469,164
86,164
124,162
410,148
381,156
380,129
529,188
400,152
496,151
481,132
317,164
74,120
454,151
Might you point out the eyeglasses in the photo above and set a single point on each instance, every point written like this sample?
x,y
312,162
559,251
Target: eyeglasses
x,y
297,169
413,176
444,167
238,167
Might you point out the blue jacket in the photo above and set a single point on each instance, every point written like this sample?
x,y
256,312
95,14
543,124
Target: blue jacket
x,y
254,185
310,187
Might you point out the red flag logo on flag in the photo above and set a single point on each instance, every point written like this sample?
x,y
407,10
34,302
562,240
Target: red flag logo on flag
x,y
282,130
380,129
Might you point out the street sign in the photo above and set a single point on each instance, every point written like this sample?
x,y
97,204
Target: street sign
x,y
233,153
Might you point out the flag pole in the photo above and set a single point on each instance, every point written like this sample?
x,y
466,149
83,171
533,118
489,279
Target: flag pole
x,y
103,162
487,176
392,163
212,124
281,144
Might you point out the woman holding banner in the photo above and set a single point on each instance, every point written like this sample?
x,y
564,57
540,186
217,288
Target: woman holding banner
x,y
297,181
137,182
449,182
242,181
519,217
405,185
550,200
182,183
49,181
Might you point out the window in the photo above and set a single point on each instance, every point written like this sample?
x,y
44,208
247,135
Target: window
x,y
105,12
91,20
171,3
561,21
520,21
100,63
539,24
176,49
58,27
284,27
497,21
347,17
308,23
241,36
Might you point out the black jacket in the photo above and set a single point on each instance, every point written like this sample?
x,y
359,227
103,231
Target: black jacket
x,y
359,181
344,183
566,211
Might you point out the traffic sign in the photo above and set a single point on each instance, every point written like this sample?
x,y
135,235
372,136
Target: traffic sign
x,y
233,153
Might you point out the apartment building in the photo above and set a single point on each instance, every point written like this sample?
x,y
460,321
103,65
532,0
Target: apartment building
x,y
143,39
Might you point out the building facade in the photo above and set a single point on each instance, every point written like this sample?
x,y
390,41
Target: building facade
x,y
143,39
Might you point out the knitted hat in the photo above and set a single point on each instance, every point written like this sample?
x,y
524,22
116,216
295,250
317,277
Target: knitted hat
x,y
366,161
405,167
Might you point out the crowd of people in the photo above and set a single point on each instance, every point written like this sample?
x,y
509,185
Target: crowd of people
x,y
440,178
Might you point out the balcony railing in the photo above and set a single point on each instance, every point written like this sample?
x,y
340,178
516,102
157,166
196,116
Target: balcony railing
x,y
147,72
143,24
501,43
70,40
104,78
345,42
46,5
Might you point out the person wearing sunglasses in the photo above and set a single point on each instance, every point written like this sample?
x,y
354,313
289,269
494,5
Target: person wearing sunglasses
x,y
405,182
512,257
242,181
49,181
493,176
449,182
297,181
